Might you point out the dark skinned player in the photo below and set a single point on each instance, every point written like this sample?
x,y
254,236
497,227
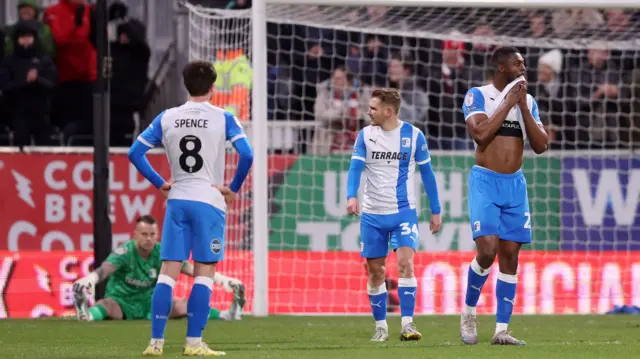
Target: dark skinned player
x,y
500,118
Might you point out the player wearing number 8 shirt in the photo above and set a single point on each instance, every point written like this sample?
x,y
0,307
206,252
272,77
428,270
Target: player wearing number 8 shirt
x,y
389,151
499,117
194,137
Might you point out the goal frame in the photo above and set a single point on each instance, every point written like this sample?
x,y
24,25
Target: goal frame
x,y
259,104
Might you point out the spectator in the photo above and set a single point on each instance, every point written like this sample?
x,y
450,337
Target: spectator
x,y
550,96
414,99
130,55
570,22
27,78
449,83
70,22
481,51
339,110
118,12
538,28
28,10
369,61
595,87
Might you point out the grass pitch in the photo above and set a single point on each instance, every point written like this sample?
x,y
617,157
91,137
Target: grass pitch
x,y
285,337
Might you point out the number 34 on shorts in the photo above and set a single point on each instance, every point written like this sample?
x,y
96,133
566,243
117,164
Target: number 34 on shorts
x,y
377,231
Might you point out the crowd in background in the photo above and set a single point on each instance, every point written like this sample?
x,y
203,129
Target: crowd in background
x,y
588,97
48,71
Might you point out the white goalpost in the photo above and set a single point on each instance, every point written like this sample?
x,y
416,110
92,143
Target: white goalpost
x,y
277,63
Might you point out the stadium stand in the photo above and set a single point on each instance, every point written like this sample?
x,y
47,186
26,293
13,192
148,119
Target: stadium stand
x,y
579,103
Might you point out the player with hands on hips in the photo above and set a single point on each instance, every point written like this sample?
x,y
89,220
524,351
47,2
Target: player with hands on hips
x,y
499,117
194,137
388,151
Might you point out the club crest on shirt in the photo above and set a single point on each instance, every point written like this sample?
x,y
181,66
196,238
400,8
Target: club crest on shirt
x,y
469,99
406,142
120,251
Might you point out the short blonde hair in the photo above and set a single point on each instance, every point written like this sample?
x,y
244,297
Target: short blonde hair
x,y
388,96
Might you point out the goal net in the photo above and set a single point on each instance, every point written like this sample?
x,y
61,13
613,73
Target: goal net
x,y
323,61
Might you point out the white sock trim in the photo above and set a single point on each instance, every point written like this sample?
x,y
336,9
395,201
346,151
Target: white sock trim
x,y
469,310
501,327
475,267
163,278
407,282
405,320
205,281
382,288
382,324
193,340
508,278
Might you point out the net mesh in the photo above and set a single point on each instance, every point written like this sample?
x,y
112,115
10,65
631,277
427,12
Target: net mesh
x,y
323,63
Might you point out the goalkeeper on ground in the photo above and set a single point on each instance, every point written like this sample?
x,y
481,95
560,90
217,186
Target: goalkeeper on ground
x,y
133,269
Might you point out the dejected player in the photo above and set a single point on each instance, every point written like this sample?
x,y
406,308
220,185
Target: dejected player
x,y
132,270
194,136
499,117
388,150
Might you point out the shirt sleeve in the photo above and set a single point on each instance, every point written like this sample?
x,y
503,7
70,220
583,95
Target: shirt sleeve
x,y
534,110
359,149
152,135
473,103
118,257
422,150
233,128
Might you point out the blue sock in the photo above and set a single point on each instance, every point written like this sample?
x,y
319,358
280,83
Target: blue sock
x,y
378,301
198,306
505,296
407,291
161,301
475,280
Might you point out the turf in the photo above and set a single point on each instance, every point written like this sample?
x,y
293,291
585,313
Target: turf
x,y
327,337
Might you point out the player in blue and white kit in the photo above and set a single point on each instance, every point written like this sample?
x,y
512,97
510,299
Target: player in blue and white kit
x,y
499,117
388,150
194,137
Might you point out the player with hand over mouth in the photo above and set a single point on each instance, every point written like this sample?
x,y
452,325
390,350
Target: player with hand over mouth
x,y
499,117
388,150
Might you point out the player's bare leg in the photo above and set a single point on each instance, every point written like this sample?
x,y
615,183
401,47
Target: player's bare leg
x,y
506,292
197,309
407,290
161,302
377,290
487,249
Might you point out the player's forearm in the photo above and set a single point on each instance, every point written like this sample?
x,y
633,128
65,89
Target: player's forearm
x,y
244,163
353,178
538,138
431,187
137,157
103,272
485,131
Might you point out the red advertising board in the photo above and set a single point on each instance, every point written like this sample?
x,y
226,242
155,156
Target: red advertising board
x,y
36,284
47,199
